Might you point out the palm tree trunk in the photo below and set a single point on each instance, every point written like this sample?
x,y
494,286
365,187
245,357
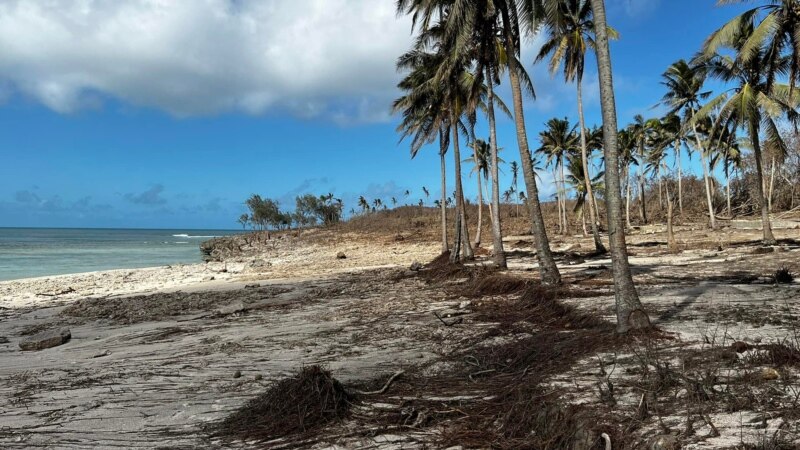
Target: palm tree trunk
x,y
769,238
670,232
564,198
728,190
680,175
711,216
547,265
627,198
442,151
480,203
461,212
498,253
630,312
598,244
771,183
558,199
660,188
642,199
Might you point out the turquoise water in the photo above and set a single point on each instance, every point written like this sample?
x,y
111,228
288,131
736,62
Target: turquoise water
x,y
35,252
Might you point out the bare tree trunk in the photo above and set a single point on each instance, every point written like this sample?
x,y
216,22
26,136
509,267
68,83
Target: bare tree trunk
x,y
728,190
627,198
558,199
642,198
480,202
660,188
630,312
583,224
598,244
461,212
771,184
670,233
443,144
769,238
498,253
564,199
711,216
680,175
547,265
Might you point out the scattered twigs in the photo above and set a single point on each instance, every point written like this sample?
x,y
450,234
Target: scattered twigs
x,y
385,386
482,372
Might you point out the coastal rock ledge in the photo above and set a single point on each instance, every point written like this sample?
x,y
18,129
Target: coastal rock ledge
x,y
46,339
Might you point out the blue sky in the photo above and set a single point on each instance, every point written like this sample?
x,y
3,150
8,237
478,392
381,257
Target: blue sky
x,y
155,113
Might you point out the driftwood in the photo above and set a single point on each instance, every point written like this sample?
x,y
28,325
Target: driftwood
x,y
385,386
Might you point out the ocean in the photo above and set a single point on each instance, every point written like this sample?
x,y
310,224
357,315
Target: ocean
x,y
35,252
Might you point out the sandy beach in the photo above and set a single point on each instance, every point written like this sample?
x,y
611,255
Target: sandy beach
x,y
157,356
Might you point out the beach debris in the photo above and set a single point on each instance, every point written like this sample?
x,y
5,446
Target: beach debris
x,y
341,255
784,276
258,377
664,442
102,354
237,374
252,286
233,308
740,347
770,374
209,278
46,339
297,404
3,340
68,290
416,266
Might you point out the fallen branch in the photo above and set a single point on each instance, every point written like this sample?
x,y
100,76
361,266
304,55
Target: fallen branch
x,y
68,290
385,386
482,372
455,322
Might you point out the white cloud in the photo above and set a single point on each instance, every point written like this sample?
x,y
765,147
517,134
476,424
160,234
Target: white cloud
x,y
312,58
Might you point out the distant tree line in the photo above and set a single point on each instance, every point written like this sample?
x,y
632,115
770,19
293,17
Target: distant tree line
x,y
310,210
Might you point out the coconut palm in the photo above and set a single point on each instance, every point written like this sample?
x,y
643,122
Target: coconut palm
x,y
729,154
755,101
576,178
630,313
559,140
570,33
480,157
627,145
424,116
684,83
512,17
777,34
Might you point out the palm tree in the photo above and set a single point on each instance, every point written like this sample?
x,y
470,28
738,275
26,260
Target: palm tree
x,y
514,177
558,141
626,145
672,132
630,312
755,102
778,32
363,203
576,178
424,117
640,131
684,83
511,32
480,157
729,153
570,30
514,15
